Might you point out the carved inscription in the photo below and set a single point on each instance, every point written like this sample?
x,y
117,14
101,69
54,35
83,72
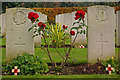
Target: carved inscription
x,y
19,17
101,15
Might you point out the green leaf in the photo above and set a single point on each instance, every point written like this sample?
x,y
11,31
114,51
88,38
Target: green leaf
x,y
37,20
79,19
80,26
35,35
29,29
39,30
83,31
35,31
32,21
74,28
75,23
80,32
85,25
83,21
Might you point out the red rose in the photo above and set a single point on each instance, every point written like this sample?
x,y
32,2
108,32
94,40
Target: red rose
x,y
16,70
65,27
44,26
79,14
40,24
72,33
77,17
35,15
32,16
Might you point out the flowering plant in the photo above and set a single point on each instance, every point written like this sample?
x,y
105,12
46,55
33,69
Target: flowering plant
x,y
114,63
56,34
80,15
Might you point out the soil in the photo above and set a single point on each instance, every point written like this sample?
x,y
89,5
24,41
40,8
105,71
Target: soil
x,y
65,46
71,69
97,68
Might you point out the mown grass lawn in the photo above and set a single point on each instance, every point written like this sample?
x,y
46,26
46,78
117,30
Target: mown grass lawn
x,y
63,76
78,55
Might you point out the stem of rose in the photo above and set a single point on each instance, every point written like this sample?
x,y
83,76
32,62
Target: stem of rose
x,y
59,53
47,49
67,54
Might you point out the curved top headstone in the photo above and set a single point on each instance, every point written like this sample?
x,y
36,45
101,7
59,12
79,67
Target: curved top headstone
x,y
18,39
101,30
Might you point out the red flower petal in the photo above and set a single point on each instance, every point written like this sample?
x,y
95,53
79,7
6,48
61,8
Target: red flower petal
x,y
40,24
65,27
77,17
72,33
79,14
30,15
44,25
36,15
15,70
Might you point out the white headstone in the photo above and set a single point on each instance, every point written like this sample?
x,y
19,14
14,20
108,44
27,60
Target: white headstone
x,y
81,38
18,39
118,29
101,33
62,19
68,21
58,19
3,28
37,39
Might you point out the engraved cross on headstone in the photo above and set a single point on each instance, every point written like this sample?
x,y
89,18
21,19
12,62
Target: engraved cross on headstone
x,y
102,42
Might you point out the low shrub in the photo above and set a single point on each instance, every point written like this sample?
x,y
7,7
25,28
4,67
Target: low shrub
x,y
28,64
